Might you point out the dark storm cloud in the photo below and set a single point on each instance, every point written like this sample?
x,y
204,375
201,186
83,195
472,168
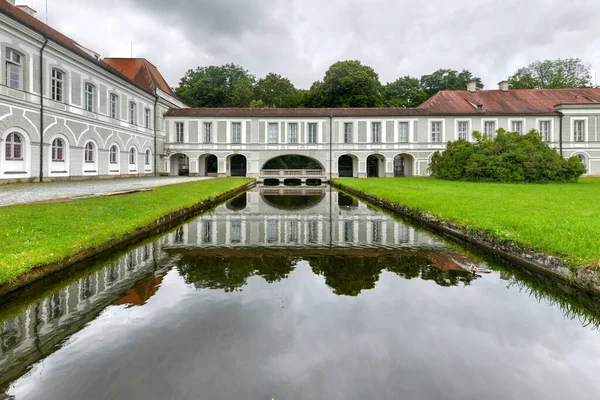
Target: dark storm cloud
x,y
300,39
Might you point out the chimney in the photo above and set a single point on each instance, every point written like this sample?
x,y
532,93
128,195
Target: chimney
x,y
27,9
472,86
503,85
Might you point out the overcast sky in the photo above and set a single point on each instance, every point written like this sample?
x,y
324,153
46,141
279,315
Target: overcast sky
x,y
300,39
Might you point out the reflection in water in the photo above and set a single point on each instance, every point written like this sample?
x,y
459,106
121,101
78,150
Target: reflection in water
x,y
248,249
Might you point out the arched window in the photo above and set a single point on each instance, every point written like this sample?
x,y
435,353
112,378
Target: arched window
x,y
58,150
14,147
89,152
147,160
581,158
132,156
113,154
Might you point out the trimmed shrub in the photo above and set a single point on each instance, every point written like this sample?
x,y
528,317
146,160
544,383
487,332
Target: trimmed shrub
x,y
508,157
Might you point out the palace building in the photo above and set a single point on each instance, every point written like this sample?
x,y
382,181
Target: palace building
x,y
67,113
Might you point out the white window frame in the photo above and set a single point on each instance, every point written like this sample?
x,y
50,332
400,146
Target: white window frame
x,y
114,105
550,121
55,148
270,139
16,65
236,136
408,124
348,134
90,94
179,132
207,132
491,120
89,156
523,127
116,154
132,112
21,145
292,137
147,117
312,137
376,138
585,129
132,156
147,157
57,85
442,123
467,133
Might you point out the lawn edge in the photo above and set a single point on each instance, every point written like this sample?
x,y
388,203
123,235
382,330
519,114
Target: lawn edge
x,y
584,277
165,222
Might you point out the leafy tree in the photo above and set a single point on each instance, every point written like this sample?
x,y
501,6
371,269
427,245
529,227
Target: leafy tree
x,y
347,84
257,104
277,92
216,86
448,79
404,92
508,157
552,74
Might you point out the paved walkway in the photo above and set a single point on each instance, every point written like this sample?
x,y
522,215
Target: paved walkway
x,y
29,192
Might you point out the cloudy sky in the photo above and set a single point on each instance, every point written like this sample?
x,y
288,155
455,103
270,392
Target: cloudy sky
x,y
300,39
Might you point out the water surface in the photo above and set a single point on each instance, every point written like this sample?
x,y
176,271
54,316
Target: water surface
x,y
309,296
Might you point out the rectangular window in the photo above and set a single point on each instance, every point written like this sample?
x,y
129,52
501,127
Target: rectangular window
x,y
236,132
293,133
313,132
463,130
545,130
132,112
89,97
348,132
147,118
403,132
489,128
376,132
516,126
208,132
272,231
179,132
14,70
236,231
114,105
436,131
207,231
57,85
292,234
313,231
273,133
578,130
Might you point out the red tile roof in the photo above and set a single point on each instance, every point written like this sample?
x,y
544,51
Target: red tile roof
x,y
512,102
293,112
57,37
141,71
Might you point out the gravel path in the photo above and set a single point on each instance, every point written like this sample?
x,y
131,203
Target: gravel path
x,y
29,192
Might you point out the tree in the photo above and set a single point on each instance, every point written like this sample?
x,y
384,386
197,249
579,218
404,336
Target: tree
x,y
404,92
216,86
347,84
552,74
448,79
276,92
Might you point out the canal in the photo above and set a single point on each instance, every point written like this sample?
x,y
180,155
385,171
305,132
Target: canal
x,y
298,293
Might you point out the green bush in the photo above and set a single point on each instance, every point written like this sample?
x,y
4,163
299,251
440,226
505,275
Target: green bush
x,y
508,157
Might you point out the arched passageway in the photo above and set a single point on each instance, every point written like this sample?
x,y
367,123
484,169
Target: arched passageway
x,y
293,161
208,165
238,165
180,165
375,166
346,166
403,165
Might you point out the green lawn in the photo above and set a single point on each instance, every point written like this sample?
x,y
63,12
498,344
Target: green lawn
x,y
39,234
560,219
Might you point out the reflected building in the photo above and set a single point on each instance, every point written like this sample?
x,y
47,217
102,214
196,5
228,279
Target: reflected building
x,y
32,333
318,216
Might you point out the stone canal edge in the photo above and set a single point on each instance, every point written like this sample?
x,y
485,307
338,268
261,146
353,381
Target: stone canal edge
x,y
587,279
161,225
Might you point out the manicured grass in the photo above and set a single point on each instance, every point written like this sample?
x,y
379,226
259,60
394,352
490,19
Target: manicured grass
x,y
38,234
560,219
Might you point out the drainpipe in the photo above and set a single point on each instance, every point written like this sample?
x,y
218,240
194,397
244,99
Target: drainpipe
x,y
42,109
330,146
560,131
155,127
